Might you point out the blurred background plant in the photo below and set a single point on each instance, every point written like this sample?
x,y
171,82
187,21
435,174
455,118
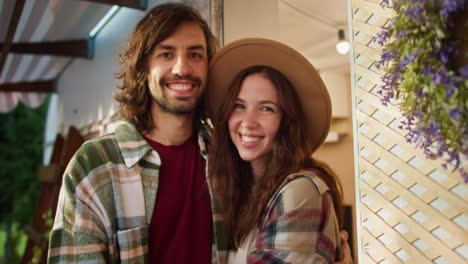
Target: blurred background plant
x,y
21,149
424,78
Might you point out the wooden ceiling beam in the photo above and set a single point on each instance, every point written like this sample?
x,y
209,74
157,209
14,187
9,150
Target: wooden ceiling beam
x,y
14,20
136,4
81,48
37,86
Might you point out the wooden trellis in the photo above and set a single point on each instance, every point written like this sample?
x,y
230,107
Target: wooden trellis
x,y
412,210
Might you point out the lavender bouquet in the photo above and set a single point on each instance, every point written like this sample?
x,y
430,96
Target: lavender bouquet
x,y
421,74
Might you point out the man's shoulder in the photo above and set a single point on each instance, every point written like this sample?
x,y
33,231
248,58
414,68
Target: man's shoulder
x,y
107,148
104,142
122,134
97,151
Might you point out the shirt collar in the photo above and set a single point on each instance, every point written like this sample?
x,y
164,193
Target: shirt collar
x,y
134,147
131,143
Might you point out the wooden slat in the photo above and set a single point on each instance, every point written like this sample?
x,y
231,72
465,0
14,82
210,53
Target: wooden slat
x,y
48,174
372,99
34,235
366,109
370,52
45,203
373,8
413,202
15,17
365,40
366,257
435,248
80,48
434,190
368,74
375,225
366,28
38,86
394,137
136,4
374,250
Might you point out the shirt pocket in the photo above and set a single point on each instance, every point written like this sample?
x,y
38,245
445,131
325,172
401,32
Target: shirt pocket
x,y
131,245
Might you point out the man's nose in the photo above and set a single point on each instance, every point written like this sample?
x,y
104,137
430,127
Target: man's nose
x,y
181,66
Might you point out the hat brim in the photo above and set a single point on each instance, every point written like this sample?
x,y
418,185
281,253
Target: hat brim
x,y
244,53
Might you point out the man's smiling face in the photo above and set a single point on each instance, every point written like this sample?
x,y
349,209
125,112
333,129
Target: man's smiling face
x,y
178,68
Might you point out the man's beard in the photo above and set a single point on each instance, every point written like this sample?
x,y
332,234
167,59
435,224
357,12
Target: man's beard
x,y
164,103
168,108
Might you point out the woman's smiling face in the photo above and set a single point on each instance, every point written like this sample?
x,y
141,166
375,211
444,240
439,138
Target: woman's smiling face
x,y
255,119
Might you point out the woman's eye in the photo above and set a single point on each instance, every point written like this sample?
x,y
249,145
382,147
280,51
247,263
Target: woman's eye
x,y
267,109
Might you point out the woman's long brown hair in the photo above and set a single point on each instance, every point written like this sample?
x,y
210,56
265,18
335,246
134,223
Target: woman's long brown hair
x,y
231,177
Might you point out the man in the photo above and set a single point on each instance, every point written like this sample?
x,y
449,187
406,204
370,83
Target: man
x,y
140,193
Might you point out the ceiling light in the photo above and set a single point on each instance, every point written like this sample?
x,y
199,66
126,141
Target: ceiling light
x,y
342,46
112,11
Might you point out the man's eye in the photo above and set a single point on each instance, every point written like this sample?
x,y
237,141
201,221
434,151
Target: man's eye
x,y
238,106
165,55
196,55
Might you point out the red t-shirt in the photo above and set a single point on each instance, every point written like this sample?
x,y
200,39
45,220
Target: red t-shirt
x,y
180,228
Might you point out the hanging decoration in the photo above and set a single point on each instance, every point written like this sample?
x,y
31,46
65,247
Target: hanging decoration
x,y
426,75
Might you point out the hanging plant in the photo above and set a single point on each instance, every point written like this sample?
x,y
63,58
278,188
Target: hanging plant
x,y
422,74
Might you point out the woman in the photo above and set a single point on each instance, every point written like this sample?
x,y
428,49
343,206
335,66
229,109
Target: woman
x,y
279,204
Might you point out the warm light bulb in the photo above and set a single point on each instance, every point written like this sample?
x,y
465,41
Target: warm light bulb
x,y
342,47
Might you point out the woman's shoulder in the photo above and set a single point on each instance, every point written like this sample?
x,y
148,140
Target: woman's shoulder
x,y
304,181
303,189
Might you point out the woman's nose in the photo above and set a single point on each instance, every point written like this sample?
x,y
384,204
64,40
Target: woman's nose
x,y
250,120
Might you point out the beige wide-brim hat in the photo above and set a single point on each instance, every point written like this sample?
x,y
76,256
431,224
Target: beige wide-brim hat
x,y
244,53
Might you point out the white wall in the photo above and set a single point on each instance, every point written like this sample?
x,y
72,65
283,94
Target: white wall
x,y
338,86
270,19
246,18
86,87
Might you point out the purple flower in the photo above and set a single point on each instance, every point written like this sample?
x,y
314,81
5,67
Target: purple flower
x,y
418,115
427,71
381,37
419,93
448,50
456,113
433,127
401,34
444,56
440,78
464,72
415,13
454,157
385,3
385,57
406,60
450,6
449,91
412,137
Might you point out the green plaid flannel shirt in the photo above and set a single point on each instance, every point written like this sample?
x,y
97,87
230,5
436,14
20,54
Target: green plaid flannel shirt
x,y
107,199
